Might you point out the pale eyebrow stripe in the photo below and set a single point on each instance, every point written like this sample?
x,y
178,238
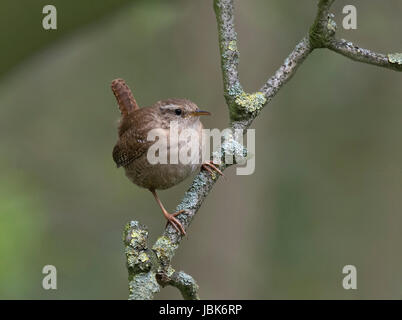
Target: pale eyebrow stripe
x,y
170,106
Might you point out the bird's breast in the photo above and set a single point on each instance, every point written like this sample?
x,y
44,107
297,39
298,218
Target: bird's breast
x,y
183,157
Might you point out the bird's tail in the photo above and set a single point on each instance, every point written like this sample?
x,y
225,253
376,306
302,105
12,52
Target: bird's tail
x,y
124,96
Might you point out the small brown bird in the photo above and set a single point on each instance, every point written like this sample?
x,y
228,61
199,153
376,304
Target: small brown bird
x,y
132,146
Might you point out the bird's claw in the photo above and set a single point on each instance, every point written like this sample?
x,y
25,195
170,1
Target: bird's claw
x,y
171,218
211,168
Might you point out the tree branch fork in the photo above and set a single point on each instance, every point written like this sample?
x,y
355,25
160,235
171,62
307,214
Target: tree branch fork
x,y
150,268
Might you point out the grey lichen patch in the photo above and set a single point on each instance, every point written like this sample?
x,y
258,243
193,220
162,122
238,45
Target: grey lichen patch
x,y
191,197
251,102
235,90
143,286
232,151
189,201
186,284
185,278
395,58
164,249
200,181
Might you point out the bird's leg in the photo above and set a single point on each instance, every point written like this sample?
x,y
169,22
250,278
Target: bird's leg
x,y
170,217
211,167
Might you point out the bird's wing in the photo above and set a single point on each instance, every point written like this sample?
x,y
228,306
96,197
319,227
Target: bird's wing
x,y
131,147
133,134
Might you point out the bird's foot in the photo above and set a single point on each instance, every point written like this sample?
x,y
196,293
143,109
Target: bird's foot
x,y
211,168
171,218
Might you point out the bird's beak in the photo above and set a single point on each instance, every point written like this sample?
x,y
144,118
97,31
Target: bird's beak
x,y
199,113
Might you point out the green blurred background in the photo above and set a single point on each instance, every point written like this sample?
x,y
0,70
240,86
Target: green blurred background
x,y
328,182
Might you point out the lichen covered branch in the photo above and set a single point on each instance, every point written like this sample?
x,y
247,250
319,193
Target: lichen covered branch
x,y
288,68
182,281
224,11
319,31
141,264
322,35
149,269
166,246
354,52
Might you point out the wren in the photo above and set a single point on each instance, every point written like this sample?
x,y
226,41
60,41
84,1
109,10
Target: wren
x,y
132,146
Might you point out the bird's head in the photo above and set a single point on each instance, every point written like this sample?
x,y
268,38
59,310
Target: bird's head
x,y
185,112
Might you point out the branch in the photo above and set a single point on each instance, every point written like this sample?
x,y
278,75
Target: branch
x,y
322,35
146,271
140,263
182,281
151,268
352,51
224,11
288,68
322,28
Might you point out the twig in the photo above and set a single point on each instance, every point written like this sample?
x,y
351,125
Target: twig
x,y
182,281
354,52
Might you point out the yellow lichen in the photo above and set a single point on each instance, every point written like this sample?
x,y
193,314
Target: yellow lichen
x,y
170,271
135,236
251,102
164,248
395,58
232,46
143,257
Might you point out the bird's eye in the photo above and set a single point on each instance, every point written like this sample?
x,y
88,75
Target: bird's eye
x,y
177,111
